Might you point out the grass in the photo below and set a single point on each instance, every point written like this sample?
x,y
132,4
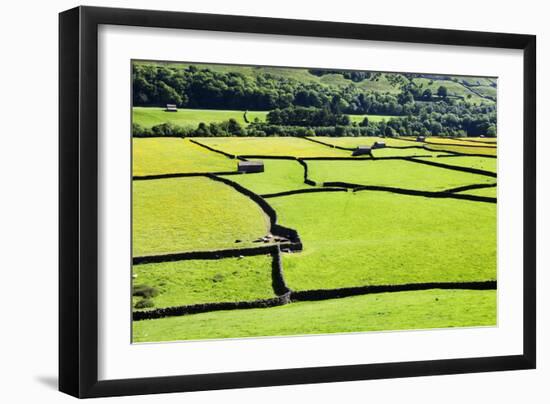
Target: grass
x,y
151,116
377,238
453,89
278,176
487,151
476,81
389,152
349,141
173,155
192,214
372,118
206,281
349,239
490,192
456,142
381,84
377,312
272,146
479,139
487,91
482,163
392,173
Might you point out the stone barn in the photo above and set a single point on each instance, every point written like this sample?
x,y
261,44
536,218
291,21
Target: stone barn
x,y
362,150
420,138
250,166
171,108
379,145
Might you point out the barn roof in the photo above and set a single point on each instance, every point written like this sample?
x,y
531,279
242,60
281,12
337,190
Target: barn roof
x,y
251,163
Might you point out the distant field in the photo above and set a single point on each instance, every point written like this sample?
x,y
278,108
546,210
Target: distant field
x,y
379,238
150,116
453,89
456,141
392,173
388,152
378,312
192,214
363,141
279,176
479,139
205,281
173,155
482,163
485,90
272,146
372,118
488,151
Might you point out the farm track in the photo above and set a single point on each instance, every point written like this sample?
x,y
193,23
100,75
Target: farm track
x,y
284,295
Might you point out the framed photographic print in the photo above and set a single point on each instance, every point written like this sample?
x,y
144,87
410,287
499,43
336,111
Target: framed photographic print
x,y
251,201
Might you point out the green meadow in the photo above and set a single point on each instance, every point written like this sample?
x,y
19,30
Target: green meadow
x,y
279,176
416,152
349,239
173,155
205,281
377,312
487,151
490,192
379,238
371,118
364,141
151,116
272,146
392,173
192,214
481,163
457,141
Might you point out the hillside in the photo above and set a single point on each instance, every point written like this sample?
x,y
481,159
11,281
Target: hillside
x,y
475,90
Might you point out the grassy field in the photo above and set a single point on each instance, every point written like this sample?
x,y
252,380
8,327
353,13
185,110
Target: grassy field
x,y
272,146
380,312
453,89
279,176
349,239
378,238
490,192
482,163
389,152
479,139
372,118
150,116
364,141
192,214
205,281
476,81
173,155
456,142
392,173
487,151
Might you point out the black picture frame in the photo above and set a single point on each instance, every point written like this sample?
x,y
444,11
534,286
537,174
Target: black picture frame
x,y
78,201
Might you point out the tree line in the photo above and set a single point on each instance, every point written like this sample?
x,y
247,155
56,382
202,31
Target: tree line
x,y
195,87
304,107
